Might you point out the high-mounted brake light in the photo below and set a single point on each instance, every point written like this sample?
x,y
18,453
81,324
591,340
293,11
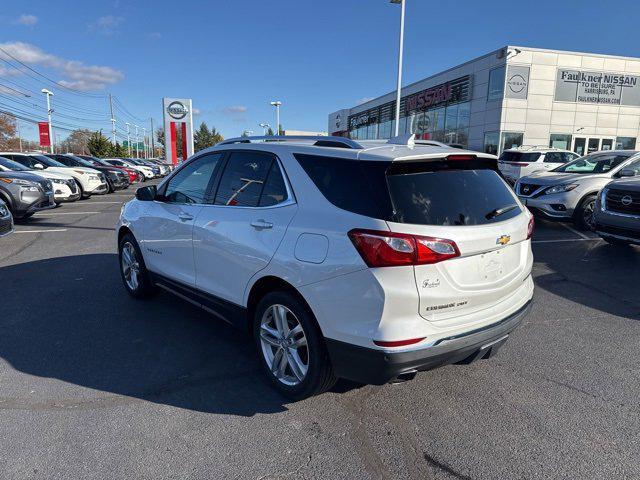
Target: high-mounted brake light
x,y
398,343
520,164
461,157
390,249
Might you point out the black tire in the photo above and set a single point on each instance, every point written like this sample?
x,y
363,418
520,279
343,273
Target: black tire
x,y
319,376
584,210
83,196
145,287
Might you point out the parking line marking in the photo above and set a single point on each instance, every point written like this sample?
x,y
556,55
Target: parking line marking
x,y
573,230
587,239
42,231
81,204
62,213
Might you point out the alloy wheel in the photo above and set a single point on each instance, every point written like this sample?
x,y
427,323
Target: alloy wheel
x,y
130,266
587,214
284,345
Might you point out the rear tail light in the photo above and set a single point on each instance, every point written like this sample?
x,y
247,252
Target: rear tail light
x,y
530,228
520,164
390,249
398,343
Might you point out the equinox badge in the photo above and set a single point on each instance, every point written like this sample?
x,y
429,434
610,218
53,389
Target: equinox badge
x,y
503,240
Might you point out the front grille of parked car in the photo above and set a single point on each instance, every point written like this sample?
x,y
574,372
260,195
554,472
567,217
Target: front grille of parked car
x,y
620,232
623,201
5,226
527,189
46,186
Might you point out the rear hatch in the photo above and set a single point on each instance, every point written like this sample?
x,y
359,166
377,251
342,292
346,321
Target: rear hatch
x,y
512,164
467,203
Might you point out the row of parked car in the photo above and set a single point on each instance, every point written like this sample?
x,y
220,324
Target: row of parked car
x,y
31,182
599,191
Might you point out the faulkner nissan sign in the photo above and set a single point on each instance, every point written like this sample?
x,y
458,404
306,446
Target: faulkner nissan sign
x,y
597,87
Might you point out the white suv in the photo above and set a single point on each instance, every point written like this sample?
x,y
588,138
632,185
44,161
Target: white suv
x,y
363,260
516,163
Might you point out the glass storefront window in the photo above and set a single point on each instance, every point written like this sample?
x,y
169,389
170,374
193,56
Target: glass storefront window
x,y
438,119
511,140
384,130
464,113
496,84
403,125
451,118
412,123
560,140
420,124
625,143
491,141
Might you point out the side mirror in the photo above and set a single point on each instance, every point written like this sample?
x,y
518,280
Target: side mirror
x,y
627,172
38,166
147,194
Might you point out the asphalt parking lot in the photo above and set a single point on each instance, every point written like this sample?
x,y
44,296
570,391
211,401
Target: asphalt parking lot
x,y
97,385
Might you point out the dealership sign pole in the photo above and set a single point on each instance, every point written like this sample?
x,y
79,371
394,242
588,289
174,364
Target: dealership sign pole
x,y
177,111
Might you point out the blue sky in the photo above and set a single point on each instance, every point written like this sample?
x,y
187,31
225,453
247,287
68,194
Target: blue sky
x,y
232,58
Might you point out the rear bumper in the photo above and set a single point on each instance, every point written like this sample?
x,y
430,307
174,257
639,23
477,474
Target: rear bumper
x,y
377,367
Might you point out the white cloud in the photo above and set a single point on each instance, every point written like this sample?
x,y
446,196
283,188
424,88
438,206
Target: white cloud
x,y
107,25
27,20
154,36
75,74
196,111
233,109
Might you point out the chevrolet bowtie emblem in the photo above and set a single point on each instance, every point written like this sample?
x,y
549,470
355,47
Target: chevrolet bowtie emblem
x,y
503,240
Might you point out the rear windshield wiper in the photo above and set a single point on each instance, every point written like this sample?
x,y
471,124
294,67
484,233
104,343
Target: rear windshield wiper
x,y
499,211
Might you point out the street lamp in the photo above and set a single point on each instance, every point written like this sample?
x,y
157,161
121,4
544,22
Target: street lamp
x,y
136,127
128,138
49,94
277,104
265,127
400,48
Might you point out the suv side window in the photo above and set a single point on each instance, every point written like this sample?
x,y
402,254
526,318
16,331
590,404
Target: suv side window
x,y
190,184
275,190
243,179
554,157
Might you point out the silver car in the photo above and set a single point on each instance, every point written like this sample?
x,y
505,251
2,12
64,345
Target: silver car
x,y
6,220
569,191
617,211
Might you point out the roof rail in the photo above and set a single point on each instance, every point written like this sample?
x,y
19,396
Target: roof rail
x,y
321,141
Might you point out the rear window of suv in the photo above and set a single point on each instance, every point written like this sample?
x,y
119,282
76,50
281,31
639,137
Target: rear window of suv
x,y
519,157
422,193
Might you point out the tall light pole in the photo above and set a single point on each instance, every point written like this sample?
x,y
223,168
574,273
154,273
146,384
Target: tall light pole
x,y
144,141
400,48
136,127
49,111
128,138
113,122
277,104
264,126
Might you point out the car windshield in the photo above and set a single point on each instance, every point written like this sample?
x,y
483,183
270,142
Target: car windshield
x,y
81,161
49,162
598,163
11,165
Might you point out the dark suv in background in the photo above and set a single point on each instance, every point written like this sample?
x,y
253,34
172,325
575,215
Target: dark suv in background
x,y
26,193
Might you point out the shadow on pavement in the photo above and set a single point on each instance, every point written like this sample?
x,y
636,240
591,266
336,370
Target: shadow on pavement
x,y
70,319
596,275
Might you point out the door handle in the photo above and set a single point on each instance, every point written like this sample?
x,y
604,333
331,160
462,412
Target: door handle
x,y
260,224
185,217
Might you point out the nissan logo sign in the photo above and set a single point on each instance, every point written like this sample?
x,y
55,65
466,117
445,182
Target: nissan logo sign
x,y
517,83
626,200
177,110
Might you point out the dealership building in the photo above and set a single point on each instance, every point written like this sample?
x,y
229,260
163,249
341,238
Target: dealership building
x,y
514,96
